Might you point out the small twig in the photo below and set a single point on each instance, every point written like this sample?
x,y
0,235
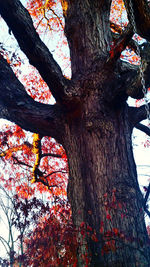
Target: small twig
x,y
54,173
44,14
39,23
51,155
46,183
57,17
21,162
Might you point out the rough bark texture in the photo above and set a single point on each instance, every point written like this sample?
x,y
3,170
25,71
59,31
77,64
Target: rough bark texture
x,y
103,182
92,121
94,175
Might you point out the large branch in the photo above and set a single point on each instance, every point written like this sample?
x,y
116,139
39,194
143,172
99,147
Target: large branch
x,y
142,16
137,115
126,82
143,128
130,74
17,106
130,78
20,23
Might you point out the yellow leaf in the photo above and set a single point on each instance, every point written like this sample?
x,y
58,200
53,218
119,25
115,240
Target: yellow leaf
x,y
64,4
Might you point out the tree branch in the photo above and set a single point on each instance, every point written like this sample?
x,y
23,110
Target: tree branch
x,y
137,115
125,82
143,128
142,16
130,75
21,162
121,43
17,106
118,32
54,172
19,21
44,180
4,242
51,155
146,196
147,212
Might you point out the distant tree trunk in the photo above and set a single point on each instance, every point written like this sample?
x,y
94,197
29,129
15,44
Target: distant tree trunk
x,y
11,257
21,250
103,188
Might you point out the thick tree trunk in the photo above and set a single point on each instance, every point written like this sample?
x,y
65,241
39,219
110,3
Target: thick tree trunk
x,y
103,188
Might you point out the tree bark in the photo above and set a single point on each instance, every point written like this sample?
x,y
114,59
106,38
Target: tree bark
x,y
103,187
86,39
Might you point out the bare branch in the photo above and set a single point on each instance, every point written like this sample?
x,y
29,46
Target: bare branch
x,y
58,18
19,21
17,106
21,162
147,212
4,242
51,155
147,196
143,128
137,115
118,32
54,172
45,182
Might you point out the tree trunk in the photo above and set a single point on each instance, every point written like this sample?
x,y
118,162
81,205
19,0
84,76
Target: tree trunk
x,y
91,120
11,257
103,189
106,202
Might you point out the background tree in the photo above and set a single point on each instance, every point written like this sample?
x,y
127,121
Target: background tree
x,y
91,119
7,215
21,216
